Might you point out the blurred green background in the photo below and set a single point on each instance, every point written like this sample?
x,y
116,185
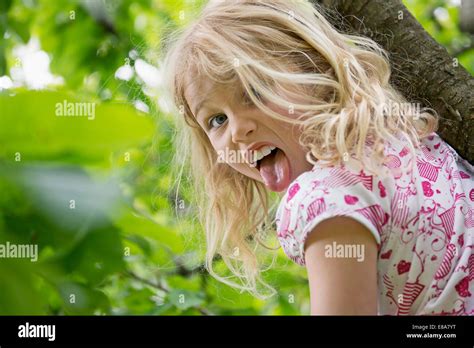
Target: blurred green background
x,y
95,193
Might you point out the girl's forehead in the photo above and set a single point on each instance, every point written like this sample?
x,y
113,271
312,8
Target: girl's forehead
x,y
207,88
198,89
198,93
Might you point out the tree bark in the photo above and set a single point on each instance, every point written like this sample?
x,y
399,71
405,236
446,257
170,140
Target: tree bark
x,y
422,69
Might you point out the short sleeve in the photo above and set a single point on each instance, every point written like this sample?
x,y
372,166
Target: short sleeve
x,y
324,193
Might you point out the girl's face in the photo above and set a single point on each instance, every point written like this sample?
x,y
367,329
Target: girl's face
x,y
241,133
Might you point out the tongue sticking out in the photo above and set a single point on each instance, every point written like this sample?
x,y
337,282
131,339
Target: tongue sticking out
x,y
275,171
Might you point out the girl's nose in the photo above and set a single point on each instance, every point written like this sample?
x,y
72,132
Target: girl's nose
x,y
242,128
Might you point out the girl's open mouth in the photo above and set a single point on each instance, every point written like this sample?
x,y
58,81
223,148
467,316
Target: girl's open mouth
x,y
275,170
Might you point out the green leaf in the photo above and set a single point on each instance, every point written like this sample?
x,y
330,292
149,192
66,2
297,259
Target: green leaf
x,y
18,293
33,128
97,255
81,300
142,242
132,224
184,299
140,301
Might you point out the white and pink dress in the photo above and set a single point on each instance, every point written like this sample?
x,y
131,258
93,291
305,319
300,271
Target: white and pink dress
x,y
422,220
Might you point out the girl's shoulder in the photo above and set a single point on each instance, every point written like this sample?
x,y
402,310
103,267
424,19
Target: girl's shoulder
x,y
325,192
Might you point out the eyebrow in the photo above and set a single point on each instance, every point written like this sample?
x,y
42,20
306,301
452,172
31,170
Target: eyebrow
x,y
198,106
202,102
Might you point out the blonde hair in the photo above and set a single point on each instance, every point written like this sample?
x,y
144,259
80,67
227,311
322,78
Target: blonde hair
x,y
341,82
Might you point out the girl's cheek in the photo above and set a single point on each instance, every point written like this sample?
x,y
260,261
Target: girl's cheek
x,y
218,143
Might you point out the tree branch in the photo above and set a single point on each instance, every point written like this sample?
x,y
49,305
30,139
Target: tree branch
x,y
131,274
422,69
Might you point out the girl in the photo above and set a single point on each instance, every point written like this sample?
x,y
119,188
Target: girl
x,y
376,206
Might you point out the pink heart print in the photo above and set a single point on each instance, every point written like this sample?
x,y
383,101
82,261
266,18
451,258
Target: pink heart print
x,y
351,199
382,189
292,191
404,152
462,287
403,267
427,188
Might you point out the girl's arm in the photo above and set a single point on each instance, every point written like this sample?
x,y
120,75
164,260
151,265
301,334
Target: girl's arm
x,y
344,285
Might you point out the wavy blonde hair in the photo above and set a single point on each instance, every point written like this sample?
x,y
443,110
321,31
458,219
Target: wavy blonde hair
x,y
285,51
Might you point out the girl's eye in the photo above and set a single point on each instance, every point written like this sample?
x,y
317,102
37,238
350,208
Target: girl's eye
x,y
217,121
